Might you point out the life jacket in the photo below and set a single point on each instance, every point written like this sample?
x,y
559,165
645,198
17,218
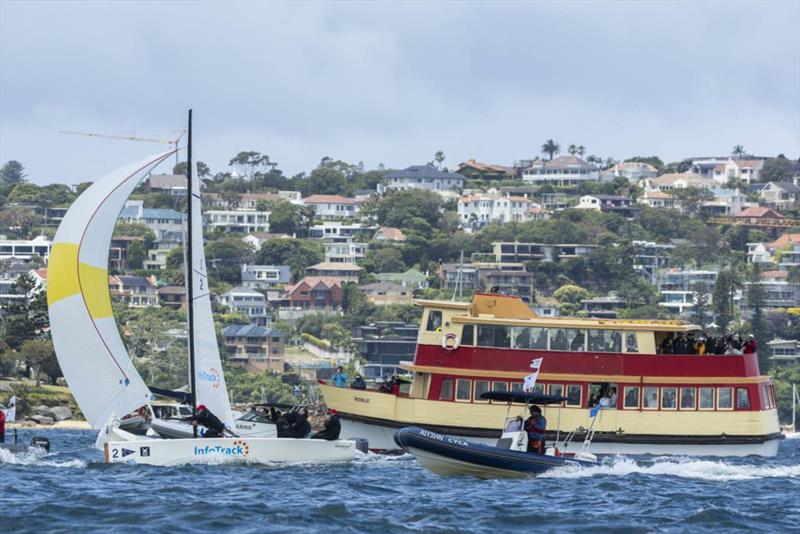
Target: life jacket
x,y
536,427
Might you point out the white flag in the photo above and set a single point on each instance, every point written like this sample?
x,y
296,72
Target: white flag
x,y
11,411
530,380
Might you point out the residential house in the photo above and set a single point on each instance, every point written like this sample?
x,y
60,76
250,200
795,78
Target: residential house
x,y
172,296
8,277
249,201
527,191
756,215
245,301
314,293
633,171
784,351
345,252
383,345
649,257
25,249
424,177
339,231
412,278
679,287
780,195
238,220
609,204
136,291
166,224
658,199
778,292
387,233
476,170
256,348
737,170
265,276
505,251
332,207
506,278
477,210
157,255
560,171
345,272
256,239
554,201
726,202
758,253
387,293
683,180
170,184
118,253
602,307
789,258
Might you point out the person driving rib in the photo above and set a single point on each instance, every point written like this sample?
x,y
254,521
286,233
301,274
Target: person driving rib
x,y
535,426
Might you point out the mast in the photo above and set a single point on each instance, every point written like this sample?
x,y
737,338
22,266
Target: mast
x,y
190,270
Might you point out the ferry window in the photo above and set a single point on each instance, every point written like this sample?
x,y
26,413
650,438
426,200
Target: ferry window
x,y
558,339
724,398
467,334
630,342
631,398
706,398
499,386
605,341
742,399
446,391
481,387
502,337
574,395
521,337
576,339
650,398
538,389
463,390
555,389
516,386
669,398
688,398
594,394
434,320
485,335
539,338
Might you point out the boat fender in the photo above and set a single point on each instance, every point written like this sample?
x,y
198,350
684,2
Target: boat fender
x,y
450,342
362,445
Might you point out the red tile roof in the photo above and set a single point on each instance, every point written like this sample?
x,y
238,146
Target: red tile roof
x,y
329,199
759,213
784,241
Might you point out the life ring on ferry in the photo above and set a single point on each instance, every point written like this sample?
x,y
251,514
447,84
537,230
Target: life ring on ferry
x,y
450,342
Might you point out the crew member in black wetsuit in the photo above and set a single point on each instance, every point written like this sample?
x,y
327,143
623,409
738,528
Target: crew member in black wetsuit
x,y
332,427
214,427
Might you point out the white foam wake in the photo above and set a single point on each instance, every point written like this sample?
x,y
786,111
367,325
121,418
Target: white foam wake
x,y
680,467
36,458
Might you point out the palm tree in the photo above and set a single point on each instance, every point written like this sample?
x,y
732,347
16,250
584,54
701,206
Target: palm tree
x,y
738,151
581,150
551,148
572,150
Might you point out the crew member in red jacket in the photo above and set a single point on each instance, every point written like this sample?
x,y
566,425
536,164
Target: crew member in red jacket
x,y
2,426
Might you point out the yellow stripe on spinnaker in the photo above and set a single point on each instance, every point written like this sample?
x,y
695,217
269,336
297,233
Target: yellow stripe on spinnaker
x,y
63,280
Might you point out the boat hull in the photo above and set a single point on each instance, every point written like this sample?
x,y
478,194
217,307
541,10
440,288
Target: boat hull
x,y
449,455
380,435
166,452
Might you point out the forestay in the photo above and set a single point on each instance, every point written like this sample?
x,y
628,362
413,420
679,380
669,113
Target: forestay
x,y
88,346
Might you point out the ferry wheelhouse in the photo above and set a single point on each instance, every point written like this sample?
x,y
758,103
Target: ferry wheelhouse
x,y
666,403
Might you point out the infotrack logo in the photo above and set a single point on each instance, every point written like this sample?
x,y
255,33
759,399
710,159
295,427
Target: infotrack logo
x,y
238,448
211,376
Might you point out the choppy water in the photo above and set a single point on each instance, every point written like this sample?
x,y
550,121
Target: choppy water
x,y
71,490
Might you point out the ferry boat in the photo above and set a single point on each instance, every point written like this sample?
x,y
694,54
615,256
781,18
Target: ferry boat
x,y
688,404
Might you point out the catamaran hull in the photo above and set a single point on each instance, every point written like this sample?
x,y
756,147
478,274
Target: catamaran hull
x,y
448,455
380,436
165,452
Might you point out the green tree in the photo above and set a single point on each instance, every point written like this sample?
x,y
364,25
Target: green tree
x,y
123,229
581,150
25,193
439,159
81,187
738,151
692,198
551,148
384,260
724,288
298,254
327,179
572,150
412,208
779,169
287,218
569,298
39,355
12,172
25,319
136,255
655,161
756,295
20,220
228,255
699,312
249,163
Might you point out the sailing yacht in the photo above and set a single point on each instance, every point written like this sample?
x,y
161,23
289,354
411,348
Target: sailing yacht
x,y
94,359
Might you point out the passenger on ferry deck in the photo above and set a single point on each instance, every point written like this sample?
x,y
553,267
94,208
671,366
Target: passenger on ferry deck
x,y
535,426
749,345
340,378
667,346
358,382
700,346
612,397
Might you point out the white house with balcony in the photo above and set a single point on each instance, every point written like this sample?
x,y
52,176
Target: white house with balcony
x,y
331,207
633,171
683,180
424,177
679,288
166,224
265,276
345,252
25,249
245,301
744,170
480,209
241,220
560,171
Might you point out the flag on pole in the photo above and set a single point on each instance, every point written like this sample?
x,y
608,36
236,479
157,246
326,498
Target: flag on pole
x,y
11,411
530,380
595,410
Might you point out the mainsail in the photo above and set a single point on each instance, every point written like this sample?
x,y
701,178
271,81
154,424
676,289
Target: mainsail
x,y
88,346
209,378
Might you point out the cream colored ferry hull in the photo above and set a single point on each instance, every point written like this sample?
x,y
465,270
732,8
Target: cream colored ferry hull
x,y
376,416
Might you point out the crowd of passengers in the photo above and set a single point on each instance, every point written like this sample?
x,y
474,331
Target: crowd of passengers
x,y
691,343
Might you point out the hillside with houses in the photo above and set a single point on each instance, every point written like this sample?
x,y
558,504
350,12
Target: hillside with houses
x,y
322,268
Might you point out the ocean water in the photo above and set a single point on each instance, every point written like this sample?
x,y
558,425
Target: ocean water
x,y
71,490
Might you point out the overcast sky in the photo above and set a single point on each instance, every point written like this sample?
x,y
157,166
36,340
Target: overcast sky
x,y
392,83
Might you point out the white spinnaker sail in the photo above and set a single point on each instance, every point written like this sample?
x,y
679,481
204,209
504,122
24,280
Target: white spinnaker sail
x,y
209,378
88,346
